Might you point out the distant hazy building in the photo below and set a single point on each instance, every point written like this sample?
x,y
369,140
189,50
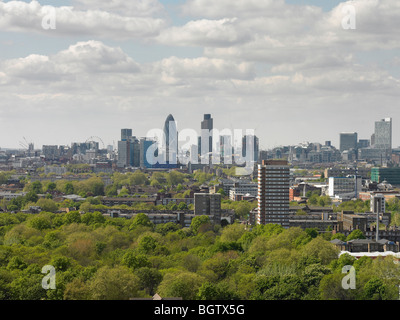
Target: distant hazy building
x,y
171,140
50,152
363,143
383,137
128,150
226,149
383,134
147,158
207,126
372,154
253,142
273,192
126,134
348,141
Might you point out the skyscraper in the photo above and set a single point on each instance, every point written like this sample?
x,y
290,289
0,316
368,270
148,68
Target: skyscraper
x,y
273,192
146,158
206,128
383,134
253,145
128,150
126,134
171,140
348,141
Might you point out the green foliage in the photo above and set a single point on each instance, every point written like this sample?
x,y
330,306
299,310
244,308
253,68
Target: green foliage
x,y
141,219
198,221
97,257
355,234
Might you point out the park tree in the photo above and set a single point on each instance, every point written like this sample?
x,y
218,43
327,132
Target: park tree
x,y
198,221
47,205
114,283
149,279
183,285
141,219
135,260
355,234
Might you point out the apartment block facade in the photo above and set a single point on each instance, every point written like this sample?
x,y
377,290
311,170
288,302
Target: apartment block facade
x,y
273,192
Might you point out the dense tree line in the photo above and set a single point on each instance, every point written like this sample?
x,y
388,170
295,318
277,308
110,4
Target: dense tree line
x,y
98,257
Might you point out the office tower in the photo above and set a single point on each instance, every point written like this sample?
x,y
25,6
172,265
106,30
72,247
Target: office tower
x,y
328,143
348,141
390,175
126,134
135,145
383,135
226,149
206,127
124,153
208,204
128,150
147,159
363,143
273,192
253,145
171,140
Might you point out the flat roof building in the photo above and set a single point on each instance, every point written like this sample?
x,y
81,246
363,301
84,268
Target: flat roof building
x,y
273,192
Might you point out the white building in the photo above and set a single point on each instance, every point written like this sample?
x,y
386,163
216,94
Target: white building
x,y
344,187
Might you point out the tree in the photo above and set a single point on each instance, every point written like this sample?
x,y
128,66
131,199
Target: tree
x,y
90,218
183,285
31,196
301,213
138,178
69,188
77,289
221,192
141,219
135,261
47,205
116,283
72,217
37,187
182,206
375,289
208,291
198,221
321,249
355,234
149,279
51,187
40,222
233,232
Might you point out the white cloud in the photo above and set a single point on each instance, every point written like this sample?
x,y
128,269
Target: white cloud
x,y
220,33
133,8
82,58
27,17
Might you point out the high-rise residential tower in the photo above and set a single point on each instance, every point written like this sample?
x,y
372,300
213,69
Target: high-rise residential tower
x,y
273,192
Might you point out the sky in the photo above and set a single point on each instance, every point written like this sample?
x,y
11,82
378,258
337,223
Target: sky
x,y
293,71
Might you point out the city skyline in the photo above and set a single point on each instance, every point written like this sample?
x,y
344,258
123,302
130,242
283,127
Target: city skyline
x,y
124,133
249,64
